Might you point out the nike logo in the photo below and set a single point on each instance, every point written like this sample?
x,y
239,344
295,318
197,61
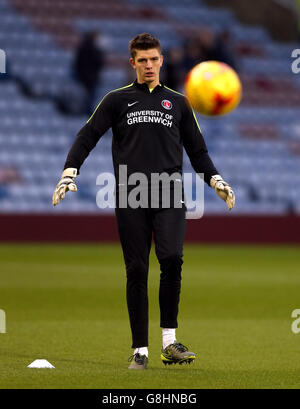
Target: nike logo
x,y
132,103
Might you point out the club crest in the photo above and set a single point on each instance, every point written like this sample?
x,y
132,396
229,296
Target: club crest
x,y
166,104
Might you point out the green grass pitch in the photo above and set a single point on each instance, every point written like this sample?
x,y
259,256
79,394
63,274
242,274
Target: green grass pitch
x,y
66,303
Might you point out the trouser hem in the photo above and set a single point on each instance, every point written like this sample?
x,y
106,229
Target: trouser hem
x,y
140,345
169,325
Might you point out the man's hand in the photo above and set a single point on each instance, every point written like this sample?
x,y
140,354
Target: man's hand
x,y
66,183
223,190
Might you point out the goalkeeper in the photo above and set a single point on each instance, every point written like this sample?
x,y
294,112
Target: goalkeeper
x,y
151,124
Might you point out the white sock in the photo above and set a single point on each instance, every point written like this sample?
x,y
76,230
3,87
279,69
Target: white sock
x,y
141,351
168,335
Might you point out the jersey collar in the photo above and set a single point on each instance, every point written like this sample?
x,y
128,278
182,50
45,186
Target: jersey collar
x,y
144,87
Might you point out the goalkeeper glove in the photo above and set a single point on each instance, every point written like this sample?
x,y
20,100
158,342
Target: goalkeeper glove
x,y
66,183
223,190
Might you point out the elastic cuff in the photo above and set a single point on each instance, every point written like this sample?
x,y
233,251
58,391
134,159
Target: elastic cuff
x,y
214,179
69,172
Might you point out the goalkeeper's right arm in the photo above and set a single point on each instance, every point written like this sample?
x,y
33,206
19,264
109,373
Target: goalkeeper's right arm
x,y
86,140
67,182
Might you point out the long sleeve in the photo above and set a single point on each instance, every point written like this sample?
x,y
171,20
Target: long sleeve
x,y
194,144
91,132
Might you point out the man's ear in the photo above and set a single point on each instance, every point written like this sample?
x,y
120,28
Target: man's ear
x,y
131,61
161,60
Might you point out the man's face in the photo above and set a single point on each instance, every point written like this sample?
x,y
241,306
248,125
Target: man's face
x,y
147,64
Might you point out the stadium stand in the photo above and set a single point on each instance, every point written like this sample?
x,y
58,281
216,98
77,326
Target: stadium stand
x,y
259,141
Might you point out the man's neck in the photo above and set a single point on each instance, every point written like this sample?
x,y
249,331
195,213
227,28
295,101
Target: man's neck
x,y
151,84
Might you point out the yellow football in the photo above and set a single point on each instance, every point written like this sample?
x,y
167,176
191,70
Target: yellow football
x,y
213,88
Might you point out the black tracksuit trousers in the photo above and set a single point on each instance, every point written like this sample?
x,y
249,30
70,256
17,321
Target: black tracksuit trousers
x,y
135,228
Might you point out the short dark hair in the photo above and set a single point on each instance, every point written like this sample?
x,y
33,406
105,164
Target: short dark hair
x,y
143,41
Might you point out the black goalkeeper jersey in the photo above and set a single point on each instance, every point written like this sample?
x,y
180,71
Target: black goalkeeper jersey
x,y
149,129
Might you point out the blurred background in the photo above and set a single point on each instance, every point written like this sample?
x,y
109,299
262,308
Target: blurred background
x,y
63,56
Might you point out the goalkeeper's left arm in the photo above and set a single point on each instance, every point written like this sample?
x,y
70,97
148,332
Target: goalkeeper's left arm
x,y
223,190
196,149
